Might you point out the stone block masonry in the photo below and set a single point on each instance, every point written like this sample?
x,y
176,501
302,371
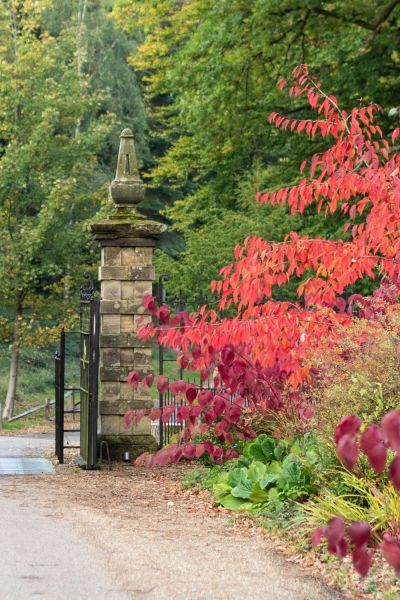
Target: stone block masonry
x,y
126,274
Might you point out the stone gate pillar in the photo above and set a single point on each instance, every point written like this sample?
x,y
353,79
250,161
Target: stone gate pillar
x,y
127,240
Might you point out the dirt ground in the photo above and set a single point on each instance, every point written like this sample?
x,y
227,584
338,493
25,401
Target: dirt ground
x,y
159,542
155,540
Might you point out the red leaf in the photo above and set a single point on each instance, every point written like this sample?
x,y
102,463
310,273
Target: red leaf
x,y
233,413
163,457
391,429
148,380
335,531
204,374
359,533
183,414
390,548
217,453
133,379
162,384
150,304
317,535
167,413
178,387
138,416
210,417
372,445
128,417
208,447
281,83
205,397
191,393
183,361
196,351
219,405
163,314
347,451
154,414
341,548
362,560
348,426
228,355
200,450
142,459
189,451
231,454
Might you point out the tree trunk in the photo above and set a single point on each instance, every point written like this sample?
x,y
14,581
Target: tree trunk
x,y
80,51
13,375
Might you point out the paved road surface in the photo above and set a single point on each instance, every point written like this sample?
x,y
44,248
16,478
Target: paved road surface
x,y
32,445
76,536
42,556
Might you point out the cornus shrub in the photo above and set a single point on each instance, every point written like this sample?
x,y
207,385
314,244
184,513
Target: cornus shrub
x,y
256,346
377,443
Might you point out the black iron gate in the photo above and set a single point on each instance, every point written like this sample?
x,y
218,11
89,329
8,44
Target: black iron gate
x,y
89,376
59,367
89,333
62,393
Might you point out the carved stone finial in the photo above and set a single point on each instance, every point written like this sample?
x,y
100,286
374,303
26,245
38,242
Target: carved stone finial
x,y
127,189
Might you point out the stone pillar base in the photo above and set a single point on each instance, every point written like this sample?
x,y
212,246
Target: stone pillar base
x,y
135,444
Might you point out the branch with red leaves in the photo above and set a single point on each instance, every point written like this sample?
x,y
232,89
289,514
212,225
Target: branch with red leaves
x,y
375,442
258,346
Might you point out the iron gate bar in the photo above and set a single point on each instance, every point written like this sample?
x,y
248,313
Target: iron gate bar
x,y
59,365
171,427
60,389
89,367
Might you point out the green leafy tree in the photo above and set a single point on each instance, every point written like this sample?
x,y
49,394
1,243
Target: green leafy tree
x,y
48,148
210,71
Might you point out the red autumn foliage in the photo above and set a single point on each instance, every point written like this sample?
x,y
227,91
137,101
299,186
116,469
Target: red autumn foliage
x,y
375,442
339,539
390,548
372,445
258,349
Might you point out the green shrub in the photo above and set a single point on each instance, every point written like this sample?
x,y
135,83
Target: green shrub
x,y
271,472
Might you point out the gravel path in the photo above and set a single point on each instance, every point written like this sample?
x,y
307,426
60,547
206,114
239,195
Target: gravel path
x,y
133,534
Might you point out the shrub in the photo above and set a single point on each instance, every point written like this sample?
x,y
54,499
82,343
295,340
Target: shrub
x,y
378,444
363,499
360,373
258,347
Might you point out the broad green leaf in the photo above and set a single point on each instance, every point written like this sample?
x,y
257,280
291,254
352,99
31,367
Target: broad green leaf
x,y
268,446
237,476
243,489
258,495
268,479
281,449
256,471
220,490
234,503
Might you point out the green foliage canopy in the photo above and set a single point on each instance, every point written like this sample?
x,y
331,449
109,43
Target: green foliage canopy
x,y
210,71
